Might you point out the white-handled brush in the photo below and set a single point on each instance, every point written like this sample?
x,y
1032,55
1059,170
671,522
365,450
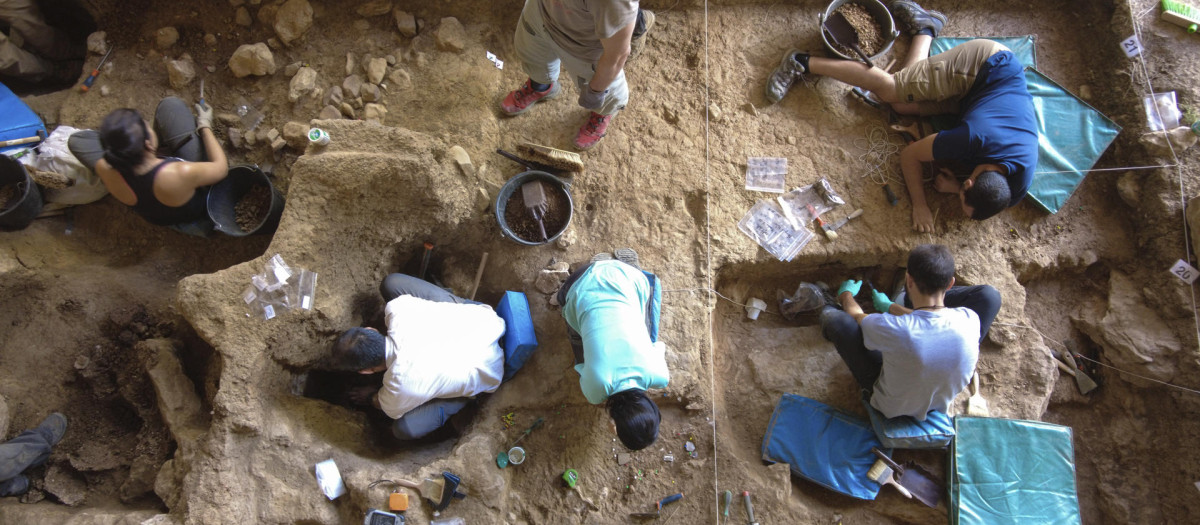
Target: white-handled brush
x,y
881,473
977,406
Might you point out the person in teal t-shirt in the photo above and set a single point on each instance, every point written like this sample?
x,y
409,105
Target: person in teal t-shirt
x,y
611,309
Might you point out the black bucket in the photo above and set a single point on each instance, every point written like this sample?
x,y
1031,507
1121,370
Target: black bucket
x,y
26,204
224,196
513,185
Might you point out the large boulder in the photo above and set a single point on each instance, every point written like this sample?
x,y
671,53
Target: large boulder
x,y
252,59
1133,335
292,20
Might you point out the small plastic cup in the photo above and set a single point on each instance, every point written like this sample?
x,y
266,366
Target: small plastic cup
x,y
516,456
755,306
318,137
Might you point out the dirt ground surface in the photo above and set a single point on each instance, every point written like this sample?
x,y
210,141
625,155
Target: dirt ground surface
x,y
186,409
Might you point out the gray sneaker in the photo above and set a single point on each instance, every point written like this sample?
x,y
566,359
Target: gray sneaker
x,y
790,69
54,427
916,18
628,256
638,42
602,256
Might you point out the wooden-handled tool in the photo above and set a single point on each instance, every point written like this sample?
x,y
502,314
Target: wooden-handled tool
x,y
829,231
41,135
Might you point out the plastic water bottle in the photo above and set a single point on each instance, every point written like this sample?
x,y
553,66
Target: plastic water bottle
x,y
318,136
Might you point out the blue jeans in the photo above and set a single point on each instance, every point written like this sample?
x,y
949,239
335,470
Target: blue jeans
x,y
432,415
29,449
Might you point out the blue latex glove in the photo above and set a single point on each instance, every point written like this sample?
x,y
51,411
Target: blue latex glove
x,y
881,300
592,100
851,286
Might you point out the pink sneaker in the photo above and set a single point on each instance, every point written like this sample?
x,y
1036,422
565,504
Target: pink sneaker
x,y
522,99
592,131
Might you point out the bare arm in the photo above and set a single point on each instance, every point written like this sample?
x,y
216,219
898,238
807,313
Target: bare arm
x,y
207,173
910,164
851,306
616,51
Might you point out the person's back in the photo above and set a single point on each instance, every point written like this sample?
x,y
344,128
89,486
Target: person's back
x,y
928,358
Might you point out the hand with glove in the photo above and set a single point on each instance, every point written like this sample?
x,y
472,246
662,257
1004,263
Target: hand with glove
x,y
882,302
204,116
592,100
851,286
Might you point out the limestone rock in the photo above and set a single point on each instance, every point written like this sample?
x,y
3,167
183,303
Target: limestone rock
x,y
292,20
376,69
566,240
335,96
371,93
252,59
1129,187
266,15
302,84
374,8
1193,219
406,23
1133,335
65,484
714,112
181,72
97,42
210,39
351,63
242,17
166,37
450,35
374,112
348,111
1180,139
235,138
292,69
330,112
181,409
400,79
352,86
296,135
549,281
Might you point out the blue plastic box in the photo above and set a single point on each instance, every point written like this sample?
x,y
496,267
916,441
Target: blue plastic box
x,y
519,339
17,120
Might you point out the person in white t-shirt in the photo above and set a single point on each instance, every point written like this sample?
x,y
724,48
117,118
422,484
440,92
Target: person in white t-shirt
x,y
914,357
439,352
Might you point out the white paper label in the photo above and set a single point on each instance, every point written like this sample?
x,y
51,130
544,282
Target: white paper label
x,y
1185,271
495,60
329,479
306,303
1131,46
268,312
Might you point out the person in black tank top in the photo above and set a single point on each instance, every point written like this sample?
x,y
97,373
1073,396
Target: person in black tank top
x,y
162,171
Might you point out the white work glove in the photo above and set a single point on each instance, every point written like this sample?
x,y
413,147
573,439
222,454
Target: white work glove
x,y
591,99
203,116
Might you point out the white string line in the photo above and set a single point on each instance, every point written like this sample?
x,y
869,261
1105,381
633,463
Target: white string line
x,y
718,294
1187,242
1064,346
712,353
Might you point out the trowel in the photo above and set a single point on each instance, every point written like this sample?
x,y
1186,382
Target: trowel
x,y
534,195
1067,364
845,35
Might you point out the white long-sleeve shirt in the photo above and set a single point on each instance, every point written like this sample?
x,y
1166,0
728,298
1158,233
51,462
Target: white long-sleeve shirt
x,y
439,350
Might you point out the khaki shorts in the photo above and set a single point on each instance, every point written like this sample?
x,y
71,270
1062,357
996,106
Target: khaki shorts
x,y
937,83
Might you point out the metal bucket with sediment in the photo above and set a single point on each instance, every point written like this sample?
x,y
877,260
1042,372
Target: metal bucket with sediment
x,y
887,26
223,198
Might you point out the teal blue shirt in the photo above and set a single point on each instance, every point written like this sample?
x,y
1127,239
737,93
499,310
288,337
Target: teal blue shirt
x,y
607,306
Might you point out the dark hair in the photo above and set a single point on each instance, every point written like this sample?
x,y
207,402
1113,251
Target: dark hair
x,y
123,135
358,349
932,268
988,196
636,417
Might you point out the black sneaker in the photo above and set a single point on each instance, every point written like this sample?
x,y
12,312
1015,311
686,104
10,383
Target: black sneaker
x,y
790,69
916,18
14,487
645,21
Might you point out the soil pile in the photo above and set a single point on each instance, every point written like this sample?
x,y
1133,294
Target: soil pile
x,y
252,209
870,33
8,193
521,219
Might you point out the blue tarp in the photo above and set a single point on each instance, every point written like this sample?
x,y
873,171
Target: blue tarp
x,y
1071,134
1007,471
824,445
17,121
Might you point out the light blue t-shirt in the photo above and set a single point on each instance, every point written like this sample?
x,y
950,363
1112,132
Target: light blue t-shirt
x,y
928,358
607,306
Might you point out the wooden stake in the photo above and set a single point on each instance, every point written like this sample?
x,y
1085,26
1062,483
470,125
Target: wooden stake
x,y
479,275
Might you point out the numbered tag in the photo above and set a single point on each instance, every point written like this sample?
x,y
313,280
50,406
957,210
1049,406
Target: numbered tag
x,y
1131,46
1185,271
495,60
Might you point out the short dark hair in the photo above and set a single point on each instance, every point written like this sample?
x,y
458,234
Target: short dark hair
x,y
988,195
358,349
123,135
636,417
932,268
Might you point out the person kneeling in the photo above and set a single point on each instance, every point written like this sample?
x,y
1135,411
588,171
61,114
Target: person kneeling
x,y
911,360
439,352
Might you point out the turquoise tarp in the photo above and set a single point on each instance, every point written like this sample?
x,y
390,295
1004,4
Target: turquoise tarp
x,y
1007,471
1071,134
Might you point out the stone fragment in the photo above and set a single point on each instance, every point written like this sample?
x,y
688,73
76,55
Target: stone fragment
x,y
166,37
273,43
235,138
566,240
352,86
463,160
272,134
351,63
376,69
210,39
549,281
374,112
1129,188
228,119
1134,336
292,20
714,112
361,25
291,69
181,72
371,93
302,84
330,112
296,135
400,79
250,138
348,111
65,484
210,69
751,109
97,42
391,60
406,23
335,96
266,15
450,35
374,8
1180,139
242,17
278,144
252,59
